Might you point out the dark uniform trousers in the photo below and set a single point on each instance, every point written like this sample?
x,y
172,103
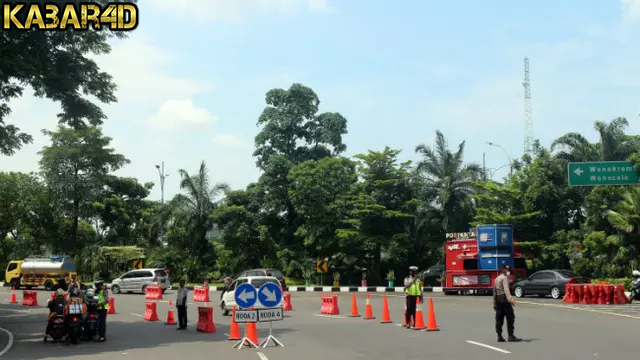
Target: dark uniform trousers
x,y
504,310
102,322
411,308
182,315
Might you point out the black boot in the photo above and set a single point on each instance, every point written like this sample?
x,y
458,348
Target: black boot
x,y
500,338
513,338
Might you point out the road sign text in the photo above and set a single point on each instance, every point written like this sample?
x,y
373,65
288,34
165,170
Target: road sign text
x,y
245,316
51,16
602,173
266,315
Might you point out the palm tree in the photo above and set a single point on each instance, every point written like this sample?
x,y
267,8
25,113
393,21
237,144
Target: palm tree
x,y
626,216
614,144
447,181
192,209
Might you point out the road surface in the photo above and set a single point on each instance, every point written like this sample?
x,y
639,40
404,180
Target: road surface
x,y
550,329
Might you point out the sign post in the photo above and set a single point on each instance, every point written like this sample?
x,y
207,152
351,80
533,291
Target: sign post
x,y
602,173
270,295
245,297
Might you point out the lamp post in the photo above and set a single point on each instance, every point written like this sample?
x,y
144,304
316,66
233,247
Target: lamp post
x,y
506,153
163,176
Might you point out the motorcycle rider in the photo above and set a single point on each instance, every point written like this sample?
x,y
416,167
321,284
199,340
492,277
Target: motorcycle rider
x,y
635,290
91,304
74,284
103,306
56,307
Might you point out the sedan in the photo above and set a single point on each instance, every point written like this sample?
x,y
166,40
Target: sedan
x,y
547,282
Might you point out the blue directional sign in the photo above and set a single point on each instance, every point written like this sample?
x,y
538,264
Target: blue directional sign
x,y
270,295
245,296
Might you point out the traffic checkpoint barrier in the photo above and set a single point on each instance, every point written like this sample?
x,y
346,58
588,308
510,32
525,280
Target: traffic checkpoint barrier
x,y
153,292
205,320
595,294
268,295
151,313
356,289
112,306
29,298
329,305
201,294
287,302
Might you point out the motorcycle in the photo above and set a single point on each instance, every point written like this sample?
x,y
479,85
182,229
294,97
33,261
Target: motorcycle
x,y
90,326
58,329
74,328
635,288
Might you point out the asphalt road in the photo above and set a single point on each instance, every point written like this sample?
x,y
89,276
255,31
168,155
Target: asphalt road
x,y
549,329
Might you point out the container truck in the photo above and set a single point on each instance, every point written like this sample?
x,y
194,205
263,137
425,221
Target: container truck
x,y
39,271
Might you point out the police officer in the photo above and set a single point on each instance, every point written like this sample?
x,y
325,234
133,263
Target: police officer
x,y
103,307
503,305
413,291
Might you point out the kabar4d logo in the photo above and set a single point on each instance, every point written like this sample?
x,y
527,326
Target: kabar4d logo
x,y
50,16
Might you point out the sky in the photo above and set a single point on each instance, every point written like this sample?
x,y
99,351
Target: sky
x,y
192,78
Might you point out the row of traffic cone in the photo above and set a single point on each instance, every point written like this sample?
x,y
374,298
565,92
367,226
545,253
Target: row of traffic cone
x,y
386,318
111,311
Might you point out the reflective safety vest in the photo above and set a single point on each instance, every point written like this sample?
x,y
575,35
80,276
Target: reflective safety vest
x,y
100,300
414,289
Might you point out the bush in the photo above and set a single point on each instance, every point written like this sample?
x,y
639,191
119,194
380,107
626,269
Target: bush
x,y
628,282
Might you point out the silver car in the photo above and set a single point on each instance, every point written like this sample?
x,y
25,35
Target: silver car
x,y
138,280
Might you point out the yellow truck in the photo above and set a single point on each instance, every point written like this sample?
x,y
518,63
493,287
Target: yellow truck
x,y
39,271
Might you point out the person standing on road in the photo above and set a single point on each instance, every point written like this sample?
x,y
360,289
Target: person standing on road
x,y
413,291
181,305
103,307
503,305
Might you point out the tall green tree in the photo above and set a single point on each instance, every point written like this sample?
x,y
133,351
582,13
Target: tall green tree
x,y
56,65
448,181
75,167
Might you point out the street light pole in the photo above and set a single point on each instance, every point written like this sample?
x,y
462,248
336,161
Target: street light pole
x,y
484,167
506,153
163,176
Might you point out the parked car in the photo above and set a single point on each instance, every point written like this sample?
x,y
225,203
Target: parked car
x,y
228,297
138,280
265,272
433,275
547,282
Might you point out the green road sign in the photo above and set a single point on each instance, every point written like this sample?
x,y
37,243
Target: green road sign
x,y
602,173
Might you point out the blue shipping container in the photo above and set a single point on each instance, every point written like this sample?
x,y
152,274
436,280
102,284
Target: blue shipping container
x,y
495,236
494,262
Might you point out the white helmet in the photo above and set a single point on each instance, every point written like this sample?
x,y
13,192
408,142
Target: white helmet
x,y
636,273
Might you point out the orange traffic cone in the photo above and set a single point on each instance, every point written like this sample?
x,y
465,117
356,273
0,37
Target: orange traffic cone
x,y
170,318
368,311
14,299
419,318
386,318
354,306
431,317
234,333
251,333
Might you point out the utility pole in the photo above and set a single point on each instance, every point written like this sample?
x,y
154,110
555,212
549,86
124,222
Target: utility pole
x,y
163,176
484,166
528,117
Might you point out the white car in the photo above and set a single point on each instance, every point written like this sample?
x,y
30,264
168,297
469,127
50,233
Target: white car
x,y
228,297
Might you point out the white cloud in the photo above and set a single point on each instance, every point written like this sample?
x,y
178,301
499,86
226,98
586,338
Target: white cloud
x,y
180,115
234,10
630,10
229,141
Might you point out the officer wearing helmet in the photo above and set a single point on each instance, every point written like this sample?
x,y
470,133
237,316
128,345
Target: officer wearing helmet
x,y
413,292
103,307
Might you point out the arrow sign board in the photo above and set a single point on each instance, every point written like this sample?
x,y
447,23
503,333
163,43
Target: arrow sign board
x,y
270,295
267,315
602,173
245,316
245,296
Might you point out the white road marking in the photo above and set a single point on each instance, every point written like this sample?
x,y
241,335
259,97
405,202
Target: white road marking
x,y
9,343
262,356
226,334
330,316
489,347
138,315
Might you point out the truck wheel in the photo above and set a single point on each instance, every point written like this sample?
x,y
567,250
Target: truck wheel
x,y
48,285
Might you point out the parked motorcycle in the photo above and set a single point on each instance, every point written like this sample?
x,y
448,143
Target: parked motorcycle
x,y
90,326
74,328
635,288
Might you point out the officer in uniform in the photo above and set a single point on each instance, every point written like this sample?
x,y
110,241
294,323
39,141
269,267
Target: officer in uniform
x,y
413,291
503,305
103,307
